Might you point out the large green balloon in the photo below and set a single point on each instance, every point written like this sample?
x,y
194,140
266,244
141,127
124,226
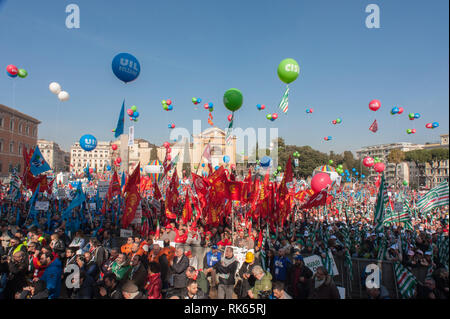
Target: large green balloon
x,y
233,99
22,73
405,183
288,70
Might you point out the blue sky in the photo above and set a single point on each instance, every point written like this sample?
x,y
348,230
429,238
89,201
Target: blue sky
x,y
201,48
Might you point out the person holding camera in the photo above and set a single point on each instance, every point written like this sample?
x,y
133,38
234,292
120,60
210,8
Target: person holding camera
x,y
263,284
36,290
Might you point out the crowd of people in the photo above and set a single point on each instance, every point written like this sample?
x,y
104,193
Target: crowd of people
x,y
45,260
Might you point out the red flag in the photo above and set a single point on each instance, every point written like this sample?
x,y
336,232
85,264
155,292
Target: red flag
x,y
187,210
132,199
157,192
134,180
172,196
219,190
235,190
114,187
374,126
201,188
319,199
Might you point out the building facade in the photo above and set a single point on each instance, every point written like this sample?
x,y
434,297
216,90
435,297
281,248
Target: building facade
x,y
139,152
17,130
55,156
437,172
382,151
191,153
97,159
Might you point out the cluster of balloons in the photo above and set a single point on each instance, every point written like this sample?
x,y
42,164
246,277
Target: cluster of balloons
x,y
337,121
265,161
260,107
133,113
374,105
379,167
432,125
55,88
272,116
226,159
209,106
309,111
396,110
167,105
339,169
277,171
168,150
296,154
126,67
327,138
88,142
196,100
13,71
413,116
171,125
411,131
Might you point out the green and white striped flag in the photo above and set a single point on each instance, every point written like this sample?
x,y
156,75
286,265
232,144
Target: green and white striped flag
x,y
442,244
406,281
327,263
436,197
382,199
284,101
229,130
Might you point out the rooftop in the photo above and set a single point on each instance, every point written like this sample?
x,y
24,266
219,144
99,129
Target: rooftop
x,y
9,110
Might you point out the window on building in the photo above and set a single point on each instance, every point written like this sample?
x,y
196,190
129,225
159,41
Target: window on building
x,y
1,121
11,124
20,127
35,132
20,149
11,147
1,145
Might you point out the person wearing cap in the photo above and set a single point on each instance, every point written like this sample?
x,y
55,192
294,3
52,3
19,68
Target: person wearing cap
x,y
131,291
299,279
210,259
246,278
282,265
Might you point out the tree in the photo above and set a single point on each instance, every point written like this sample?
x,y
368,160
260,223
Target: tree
x,y
396,156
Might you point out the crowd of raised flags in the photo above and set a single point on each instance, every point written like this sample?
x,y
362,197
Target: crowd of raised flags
x,y
346,214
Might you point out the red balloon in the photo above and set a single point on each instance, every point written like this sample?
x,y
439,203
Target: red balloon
x,y
168,102
119,160
429,125
379,167
400,110
263,107
320,181
368,161
114,147
173,125
374,105
413,131
91,170
334,122
130,112
230,117
311,110
275,116
325,138
206,106
12,69
166,144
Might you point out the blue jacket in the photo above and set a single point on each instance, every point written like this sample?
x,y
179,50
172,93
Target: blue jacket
x,y
281,266
52,278
212,259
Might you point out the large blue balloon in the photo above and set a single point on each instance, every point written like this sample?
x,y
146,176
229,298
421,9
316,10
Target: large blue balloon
x,y
126,67
265,161
88,142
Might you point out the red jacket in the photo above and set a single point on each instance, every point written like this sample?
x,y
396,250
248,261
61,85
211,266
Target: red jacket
x,y
153,286
180,239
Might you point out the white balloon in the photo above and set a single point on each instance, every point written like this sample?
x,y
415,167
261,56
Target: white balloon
x,y
54,87
63,96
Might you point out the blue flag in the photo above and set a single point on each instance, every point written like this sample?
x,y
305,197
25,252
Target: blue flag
x,y
120,122
32,211
77,201
122,183
38,164
87,173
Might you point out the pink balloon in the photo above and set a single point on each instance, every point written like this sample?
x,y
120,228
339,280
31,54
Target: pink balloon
x,y
379,167
374,105
206,106
275,116
173,125
230,117
12,70
168,102
413,131
400,110
263,107
320,181
325,138
130,112
429,125
368,161
311,110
